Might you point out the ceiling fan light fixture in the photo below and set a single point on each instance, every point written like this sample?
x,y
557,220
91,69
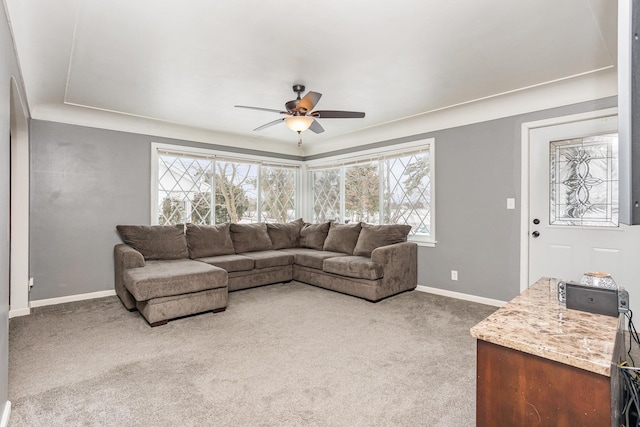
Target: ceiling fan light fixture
x,y
298,123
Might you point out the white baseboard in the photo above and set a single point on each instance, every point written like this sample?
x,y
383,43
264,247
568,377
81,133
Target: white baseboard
x,y
71,298
19,312
6,413
459,295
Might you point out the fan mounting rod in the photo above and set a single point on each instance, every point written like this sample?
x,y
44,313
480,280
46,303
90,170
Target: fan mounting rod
x,y
298,89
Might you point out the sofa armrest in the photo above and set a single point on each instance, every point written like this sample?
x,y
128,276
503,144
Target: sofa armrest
x,y
124,258
400,264
127,257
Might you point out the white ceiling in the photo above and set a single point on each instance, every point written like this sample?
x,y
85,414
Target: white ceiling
x,y
188,63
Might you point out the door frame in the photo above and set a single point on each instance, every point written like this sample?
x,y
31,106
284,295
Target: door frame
x,y
19,252
525,177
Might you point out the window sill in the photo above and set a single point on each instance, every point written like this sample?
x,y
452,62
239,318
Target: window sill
x,y
424,243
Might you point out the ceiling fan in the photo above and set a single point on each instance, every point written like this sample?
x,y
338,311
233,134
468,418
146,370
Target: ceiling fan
x,y
299,116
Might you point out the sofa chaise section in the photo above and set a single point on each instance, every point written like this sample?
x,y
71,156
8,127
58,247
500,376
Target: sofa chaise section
x,y
169,289
155,276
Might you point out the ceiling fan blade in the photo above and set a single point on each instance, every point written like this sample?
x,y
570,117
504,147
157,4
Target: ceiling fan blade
x,y
332,114
308,101
261,109
275,122
315,127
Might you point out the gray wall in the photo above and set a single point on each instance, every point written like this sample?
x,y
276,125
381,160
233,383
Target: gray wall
x,y
477,169
85,181
8,69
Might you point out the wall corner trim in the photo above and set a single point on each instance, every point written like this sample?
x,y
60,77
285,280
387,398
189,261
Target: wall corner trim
x,y
459,295
19,312
6,413
71,298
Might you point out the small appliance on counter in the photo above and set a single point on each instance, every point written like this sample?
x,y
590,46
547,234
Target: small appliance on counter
x,y
596,292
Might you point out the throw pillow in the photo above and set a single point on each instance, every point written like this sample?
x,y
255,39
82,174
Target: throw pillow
x,y
156,242
285,235
250,237
342,237
313,235
209,240
374,236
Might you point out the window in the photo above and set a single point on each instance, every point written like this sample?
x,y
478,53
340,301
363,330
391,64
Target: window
x,y
362,192
393,187
325,191
379,187
210,188
407,191
184,189
236,192
278,185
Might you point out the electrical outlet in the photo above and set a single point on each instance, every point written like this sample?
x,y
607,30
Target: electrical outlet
x,y
30,282
454,274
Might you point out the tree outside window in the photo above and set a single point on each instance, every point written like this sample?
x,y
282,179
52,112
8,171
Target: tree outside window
x,y
362,193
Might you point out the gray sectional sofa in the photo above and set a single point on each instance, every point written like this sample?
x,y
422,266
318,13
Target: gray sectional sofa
x,y
167,272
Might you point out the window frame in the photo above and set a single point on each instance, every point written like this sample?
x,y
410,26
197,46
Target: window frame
x,y
303,192
180,150
376,154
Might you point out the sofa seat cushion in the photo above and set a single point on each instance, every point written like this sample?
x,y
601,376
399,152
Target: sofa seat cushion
x,y
173,277
230,263
358,267
265,259
311,257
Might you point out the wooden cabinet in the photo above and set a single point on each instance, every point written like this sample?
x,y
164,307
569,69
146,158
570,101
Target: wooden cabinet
x,y
520,389
541,364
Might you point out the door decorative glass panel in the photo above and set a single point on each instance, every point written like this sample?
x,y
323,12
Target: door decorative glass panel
x,y
584,181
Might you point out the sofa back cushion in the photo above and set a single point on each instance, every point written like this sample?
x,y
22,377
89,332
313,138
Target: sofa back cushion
x,y
156,242
375,236
209,240
284,236
250,237
342,237
313,235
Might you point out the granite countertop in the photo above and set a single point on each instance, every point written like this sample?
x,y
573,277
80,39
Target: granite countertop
x,y
535,322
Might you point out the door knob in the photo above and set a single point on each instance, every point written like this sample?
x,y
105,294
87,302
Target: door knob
x,y
536,221
535,234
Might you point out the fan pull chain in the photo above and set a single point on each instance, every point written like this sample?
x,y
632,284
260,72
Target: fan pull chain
x,y
299,138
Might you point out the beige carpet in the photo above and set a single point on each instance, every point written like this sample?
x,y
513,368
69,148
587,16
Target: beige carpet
x,y
281,355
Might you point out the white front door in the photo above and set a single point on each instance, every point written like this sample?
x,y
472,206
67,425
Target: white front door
x,y
573,192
